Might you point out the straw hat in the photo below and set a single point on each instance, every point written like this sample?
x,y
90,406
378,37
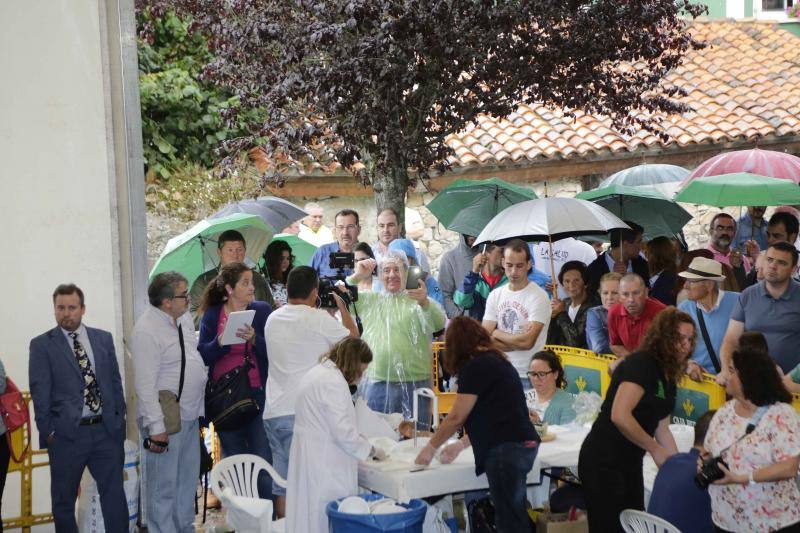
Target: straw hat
x,y
703,268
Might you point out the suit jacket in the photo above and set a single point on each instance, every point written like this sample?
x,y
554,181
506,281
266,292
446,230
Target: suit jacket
x,y
599,267
57,384
662,289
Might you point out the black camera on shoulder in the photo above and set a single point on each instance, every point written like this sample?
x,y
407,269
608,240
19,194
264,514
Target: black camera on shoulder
x,y
327,284
710,472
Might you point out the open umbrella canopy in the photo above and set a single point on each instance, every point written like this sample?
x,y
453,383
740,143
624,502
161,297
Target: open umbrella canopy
x,y
466,206
302,250
656,213
547,219
741,188
195,251
276,212
756,161
659,177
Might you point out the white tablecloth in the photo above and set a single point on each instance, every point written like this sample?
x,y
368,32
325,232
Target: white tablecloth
x,y
394,479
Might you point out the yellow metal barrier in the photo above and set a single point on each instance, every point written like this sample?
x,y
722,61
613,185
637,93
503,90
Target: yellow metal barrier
x,y
446,399
587,371
27,518
584,370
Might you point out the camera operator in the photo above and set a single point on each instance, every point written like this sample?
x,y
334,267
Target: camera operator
x,y
757,435
297,335
398,326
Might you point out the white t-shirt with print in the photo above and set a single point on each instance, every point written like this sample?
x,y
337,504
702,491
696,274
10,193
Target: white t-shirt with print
x,y
512,311
569,249
296,335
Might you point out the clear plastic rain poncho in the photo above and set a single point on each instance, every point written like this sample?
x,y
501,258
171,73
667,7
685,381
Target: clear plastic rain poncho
x,y
399,331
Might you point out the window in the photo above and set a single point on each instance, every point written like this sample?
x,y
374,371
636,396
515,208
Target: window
x,y
776,5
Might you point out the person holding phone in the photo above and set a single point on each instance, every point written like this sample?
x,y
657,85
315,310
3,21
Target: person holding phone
x,y
398,326
415,272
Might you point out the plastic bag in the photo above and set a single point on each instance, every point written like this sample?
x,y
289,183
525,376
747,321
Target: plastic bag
x,y
90,514
586,407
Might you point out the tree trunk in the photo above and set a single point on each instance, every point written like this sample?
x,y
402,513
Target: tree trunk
x,y
389,188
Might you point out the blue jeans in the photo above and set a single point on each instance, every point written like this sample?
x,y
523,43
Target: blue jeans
x,y
507,466
279,432
251,438
171,481
394,396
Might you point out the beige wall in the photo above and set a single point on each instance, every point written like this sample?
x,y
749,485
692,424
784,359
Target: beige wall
x,y
59,183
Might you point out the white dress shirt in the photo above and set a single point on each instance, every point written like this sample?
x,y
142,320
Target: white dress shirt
x,y
156,352
83,338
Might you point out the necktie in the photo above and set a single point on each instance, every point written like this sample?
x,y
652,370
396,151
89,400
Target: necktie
x,y
91,390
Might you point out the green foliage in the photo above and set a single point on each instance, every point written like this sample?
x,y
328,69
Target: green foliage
x,y
193,192
183,117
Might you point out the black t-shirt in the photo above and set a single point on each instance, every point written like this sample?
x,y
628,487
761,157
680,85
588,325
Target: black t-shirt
x,y
500,414
605,443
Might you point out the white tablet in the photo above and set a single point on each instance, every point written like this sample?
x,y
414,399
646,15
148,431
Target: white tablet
x,y
236,320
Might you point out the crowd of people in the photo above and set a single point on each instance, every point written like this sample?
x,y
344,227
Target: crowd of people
x,y
301,365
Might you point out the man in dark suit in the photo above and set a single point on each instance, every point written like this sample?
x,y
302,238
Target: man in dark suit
x,y
622,257
80,411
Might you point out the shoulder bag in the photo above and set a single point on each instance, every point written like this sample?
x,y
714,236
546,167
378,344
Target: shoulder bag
x,y
707,340
229,399
14,411
171,404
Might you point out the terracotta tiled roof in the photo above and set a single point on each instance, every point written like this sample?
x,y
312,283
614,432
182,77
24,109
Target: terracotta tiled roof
x,y
744,84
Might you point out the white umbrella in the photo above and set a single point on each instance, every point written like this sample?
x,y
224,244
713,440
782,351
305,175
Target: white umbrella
x,y
549,219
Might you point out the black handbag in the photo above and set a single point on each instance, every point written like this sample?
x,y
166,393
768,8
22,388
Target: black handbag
x,y
229,399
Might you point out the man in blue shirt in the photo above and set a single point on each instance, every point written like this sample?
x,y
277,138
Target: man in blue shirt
x,y
347,230
675,497
772,307
705,300
751,226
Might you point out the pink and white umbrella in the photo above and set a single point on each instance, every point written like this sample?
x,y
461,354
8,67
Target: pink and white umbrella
x,y
756,161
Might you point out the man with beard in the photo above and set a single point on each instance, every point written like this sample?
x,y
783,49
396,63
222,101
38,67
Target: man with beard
x,y
79,405
721,232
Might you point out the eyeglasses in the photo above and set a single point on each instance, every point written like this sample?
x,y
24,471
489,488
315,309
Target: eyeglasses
x,y
184,296
539,375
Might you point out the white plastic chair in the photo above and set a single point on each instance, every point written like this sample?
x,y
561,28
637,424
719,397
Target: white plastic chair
x,y
234,480
634,521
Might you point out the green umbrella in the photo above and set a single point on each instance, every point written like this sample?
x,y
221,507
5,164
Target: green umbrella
x,y
195,251
466,206
656,213
302,250
739,188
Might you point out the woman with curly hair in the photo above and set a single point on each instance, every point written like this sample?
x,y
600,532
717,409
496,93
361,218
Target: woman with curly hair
x,y
757,434
634,419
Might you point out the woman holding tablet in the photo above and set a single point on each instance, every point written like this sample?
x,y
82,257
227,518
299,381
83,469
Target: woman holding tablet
x,y
232,291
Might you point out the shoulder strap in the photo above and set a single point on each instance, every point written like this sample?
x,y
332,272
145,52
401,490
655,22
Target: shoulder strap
x,y
183,360
707,339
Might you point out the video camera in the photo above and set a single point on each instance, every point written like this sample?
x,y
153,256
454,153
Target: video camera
x,y
327,284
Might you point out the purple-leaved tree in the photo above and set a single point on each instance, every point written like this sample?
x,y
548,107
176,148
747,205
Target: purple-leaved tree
x,y
378,85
